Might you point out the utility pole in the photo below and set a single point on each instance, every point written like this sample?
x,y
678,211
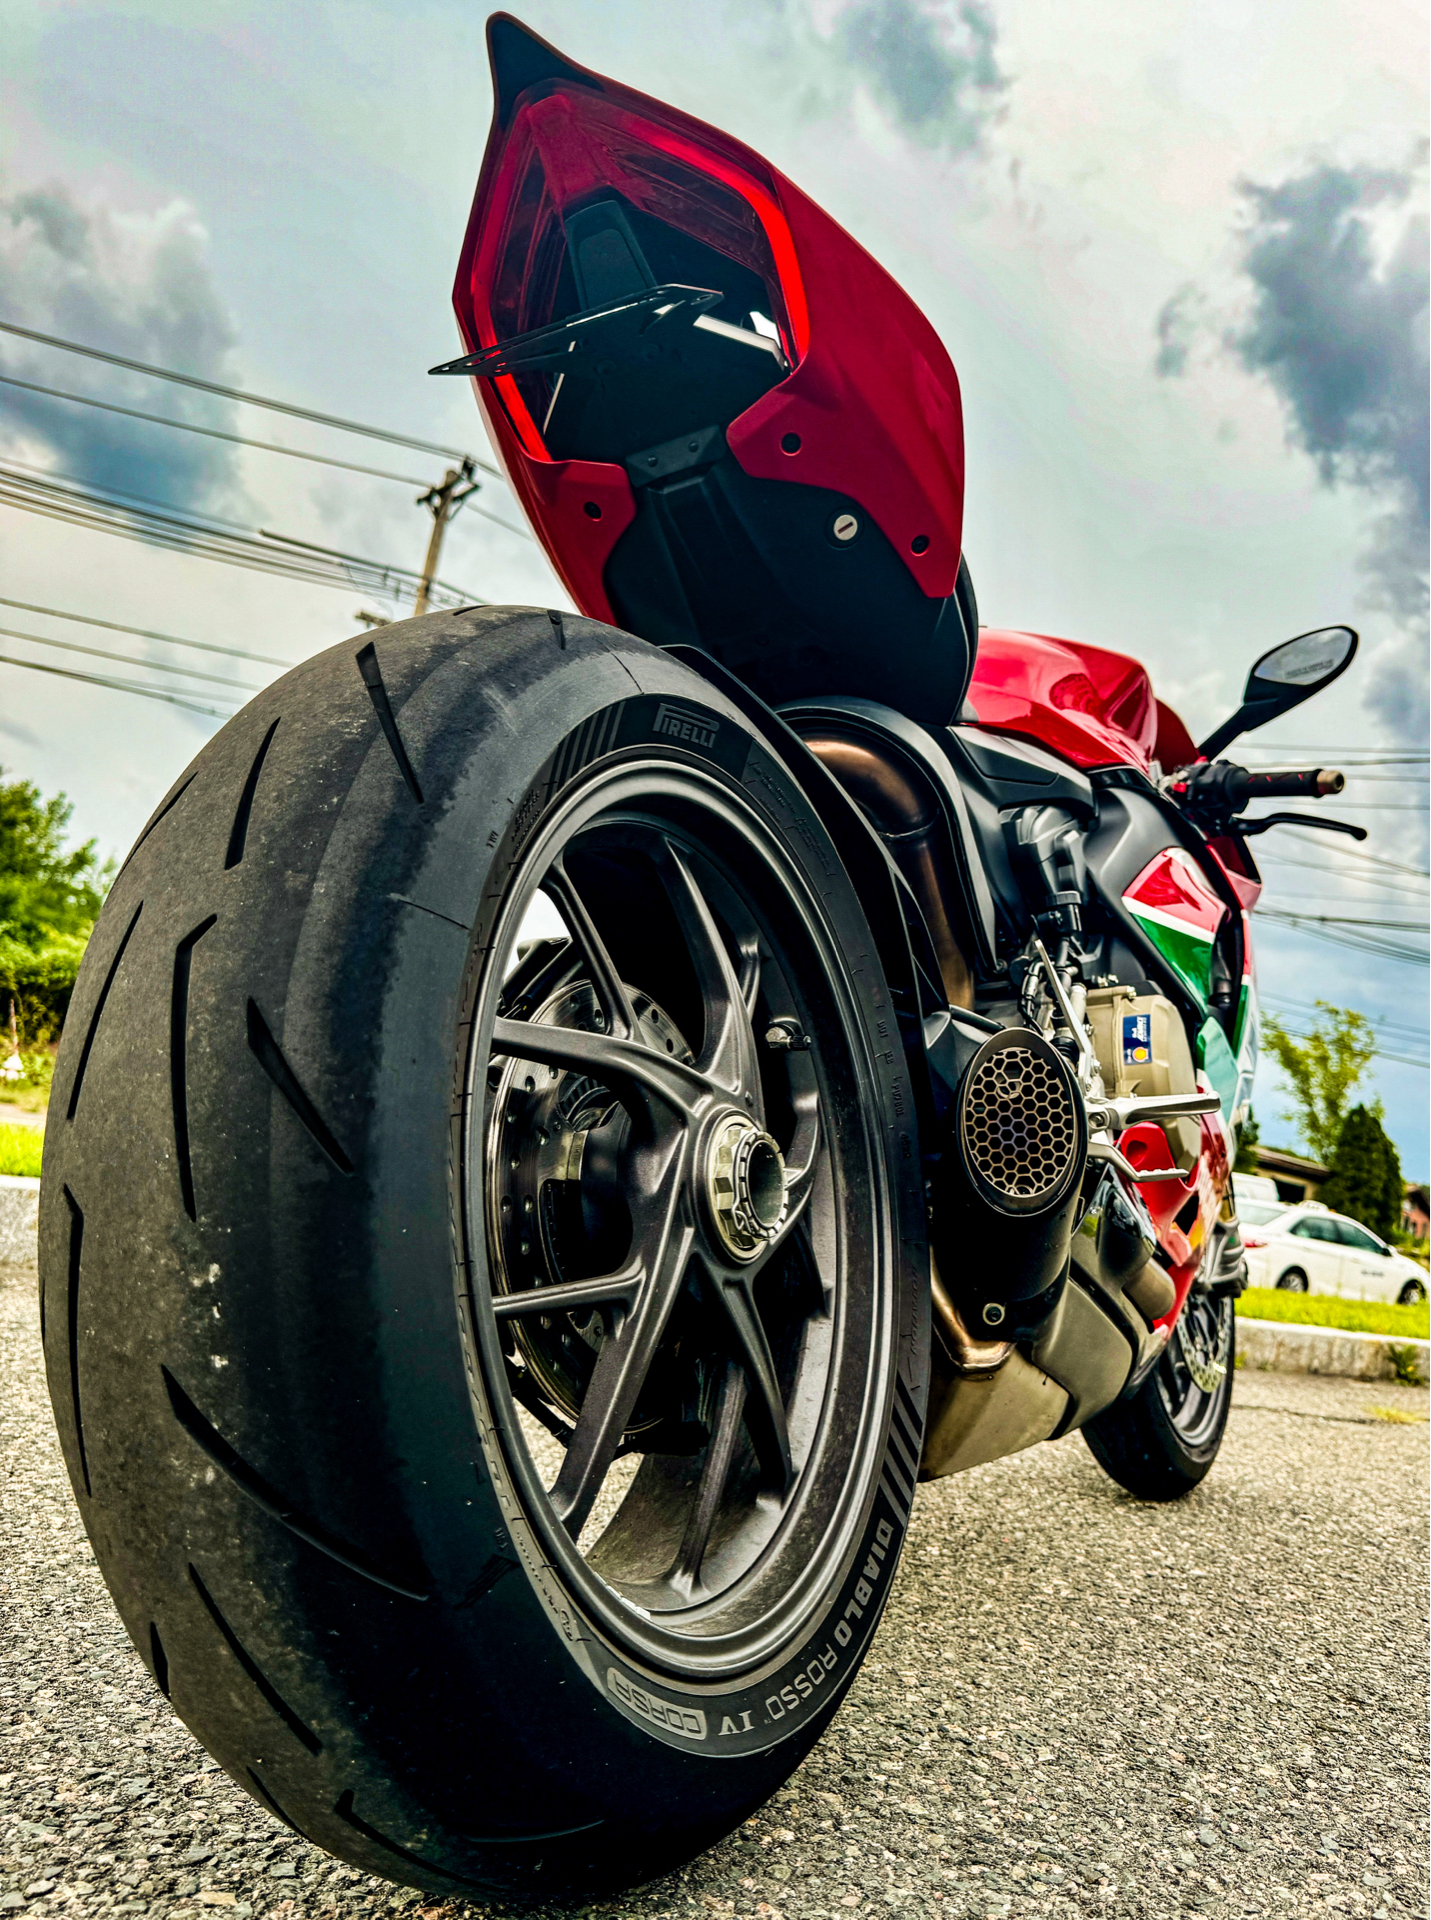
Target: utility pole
x,y
442,502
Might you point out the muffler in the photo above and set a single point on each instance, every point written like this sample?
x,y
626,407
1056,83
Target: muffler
x,y
1012,1168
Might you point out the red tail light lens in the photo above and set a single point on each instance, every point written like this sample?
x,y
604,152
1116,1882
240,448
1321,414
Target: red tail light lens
x,y
720,225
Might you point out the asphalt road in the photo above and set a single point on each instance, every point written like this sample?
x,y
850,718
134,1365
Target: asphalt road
x,y
1077,1703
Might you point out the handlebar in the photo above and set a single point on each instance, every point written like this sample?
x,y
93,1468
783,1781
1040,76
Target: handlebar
x,y
1222,788
1290,783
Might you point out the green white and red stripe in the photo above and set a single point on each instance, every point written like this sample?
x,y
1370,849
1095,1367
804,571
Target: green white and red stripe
x,y
1178,910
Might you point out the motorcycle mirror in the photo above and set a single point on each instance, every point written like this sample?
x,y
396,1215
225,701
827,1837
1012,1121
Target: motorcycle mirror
x,y
1283,678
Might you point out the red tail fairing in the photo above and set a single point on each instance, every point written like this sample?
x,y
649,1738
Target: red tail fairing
x,y
775,470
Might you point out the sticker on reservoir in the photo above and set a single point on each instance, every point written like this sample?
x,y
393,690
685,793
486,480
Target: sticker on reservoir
x,y
1137,1039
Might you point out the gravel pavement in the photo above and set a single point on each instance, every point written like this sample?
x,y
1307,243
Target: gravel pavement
x,y
1077,1703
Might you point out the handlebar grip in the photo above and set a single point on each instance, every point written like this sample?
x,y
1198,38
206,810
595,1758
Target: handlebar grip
x,y
1311,783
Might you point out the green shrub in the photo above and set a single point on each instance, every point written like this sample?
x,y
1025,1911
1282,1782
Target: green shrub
x,y
39,978
20,1149
1406,1361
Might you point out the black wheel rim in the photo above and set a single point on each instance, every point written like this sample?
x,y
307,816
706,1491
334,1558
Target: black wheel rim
x,y
678,1220
1195,1372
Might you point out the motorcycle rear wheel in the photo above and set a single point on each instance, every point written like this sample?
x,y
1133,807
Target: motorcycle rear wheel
x,y
481,1084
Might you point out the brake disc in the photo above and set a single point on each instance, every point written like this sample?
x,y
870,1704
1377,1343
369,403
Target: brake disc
x,y
556,1140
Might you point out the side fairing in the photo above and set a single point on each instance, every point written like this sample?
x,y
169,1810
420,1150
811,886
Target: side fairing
x,y
1180,914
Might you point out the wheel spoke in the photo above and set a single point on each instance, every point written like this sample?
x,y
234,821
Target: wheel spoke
x,y
633,1073
728,1052
610,989
749,971
801,1161
730,1403
764,1408
604,1290
624,1362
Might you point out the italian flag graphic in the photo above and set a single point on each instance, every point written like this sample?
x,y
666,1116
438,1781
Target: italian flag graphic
x,y
1180,913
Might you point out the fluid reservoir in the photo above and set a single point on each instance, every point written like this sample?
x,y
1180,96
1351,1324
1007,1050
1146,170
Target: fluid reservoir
x,y
1142,1047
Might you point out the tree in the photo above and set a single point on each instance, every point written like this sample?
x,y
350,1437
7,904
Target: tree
x,y
1247,1137
1324,1069
49,900
1366,1174
43,889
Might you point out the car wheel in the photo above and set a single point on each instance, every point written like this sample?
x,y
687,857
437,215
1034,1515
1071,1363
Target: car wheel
x,y
1411,1294
1293,1281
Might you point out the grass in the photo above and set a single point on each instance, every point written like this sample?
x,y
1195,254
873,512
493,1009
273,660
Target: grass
x,y
20,1149
1349,1316
30,1096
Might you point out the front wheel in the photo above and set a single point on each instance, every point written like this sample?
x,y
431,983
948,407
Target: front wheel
x,y
1412,1294
502,1446
1160,1443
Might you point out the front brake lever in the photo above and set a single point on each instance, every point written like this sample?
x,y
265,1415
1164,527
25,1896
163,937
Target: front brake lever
x,y
1246,828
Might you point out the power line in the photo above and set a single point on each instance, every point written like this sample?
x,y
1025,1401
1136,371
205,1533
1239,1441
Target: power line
x,y
1401,1059
241,440
1384,755
156,666
145,633
209,433
1385,949
1400,892
214,539
1354,853
119,686
1381,1022
1378,1053
247,399
1351,920
1406,888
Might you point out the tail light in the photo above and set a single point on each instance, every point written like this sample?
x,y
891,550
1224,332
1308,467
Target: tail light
x,y
1253,1240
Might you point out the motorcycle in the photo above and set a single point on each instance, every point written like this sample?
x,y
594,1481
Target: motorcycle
x,y
567,1118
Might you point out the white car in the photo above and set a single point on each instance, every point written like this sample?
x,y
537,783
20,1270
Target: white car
x,y
1310,1249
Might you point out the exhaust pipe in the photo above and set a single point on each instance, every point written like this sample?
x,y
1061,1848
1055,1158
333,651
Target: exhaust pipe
x,y
1017,1149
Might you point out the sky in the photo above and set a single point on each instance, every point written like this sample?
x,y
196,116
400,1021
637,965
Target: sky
x,y
1177,252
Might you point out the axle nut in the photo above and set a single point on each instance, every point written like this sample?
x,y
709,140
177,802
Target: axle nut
x,y
745,1185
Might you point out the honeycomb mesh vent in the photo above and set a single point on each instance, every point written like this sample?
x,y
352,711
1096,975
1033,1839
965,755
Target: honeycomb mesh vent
x,y
1020,1130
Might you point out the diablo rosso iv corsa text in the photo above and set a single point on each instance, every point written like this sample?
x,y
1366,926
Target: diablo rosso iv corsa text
x,y
567,1116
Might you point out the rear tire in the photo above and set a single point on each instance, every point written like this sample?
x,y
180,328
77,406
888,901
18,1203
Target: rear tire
x,y
307,1447
1293,1281
1160,1443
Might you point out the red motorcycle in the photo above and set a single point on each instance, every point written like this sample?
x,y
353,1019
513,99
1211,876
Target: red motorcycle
x,y
566,1118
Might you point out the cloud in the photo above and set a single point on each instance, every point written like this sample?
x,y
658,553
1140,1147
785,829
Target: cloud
x,y
1178,325
133,284
931,67
1333,312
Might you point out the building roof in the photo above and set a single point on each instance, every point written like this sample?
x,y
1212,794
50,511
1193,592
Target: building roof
x,y
1275,1160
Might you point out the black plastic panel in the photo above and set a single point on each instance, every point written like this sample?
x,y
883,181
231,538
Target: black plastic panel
x,y
756,573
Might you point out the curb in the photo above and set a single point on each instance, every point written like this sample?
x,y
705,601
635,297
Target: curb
x,y
1264,1346
19,1218
1281,1346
